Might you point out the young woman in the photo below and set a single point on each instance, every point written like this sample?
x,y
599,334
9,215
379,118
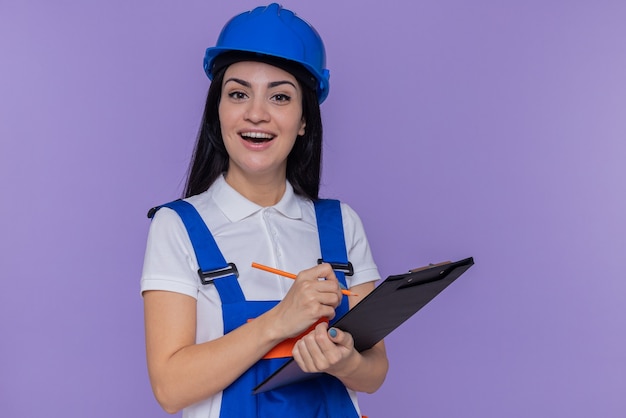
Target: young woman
x,y
212,321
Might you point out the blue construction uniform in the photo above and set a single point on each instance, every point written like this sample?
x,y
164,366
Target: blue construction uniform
x,y
321,397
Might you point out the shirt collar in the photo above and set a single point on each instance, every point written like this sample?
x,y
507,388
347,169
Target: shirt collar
x,y
236,207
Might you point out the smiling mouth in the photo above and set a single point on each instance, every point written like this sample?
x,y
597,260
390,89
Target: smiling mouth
x,y
256,137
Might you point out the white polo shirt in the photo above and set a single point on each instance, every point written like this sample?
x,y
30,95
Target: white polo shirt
x,y
283,236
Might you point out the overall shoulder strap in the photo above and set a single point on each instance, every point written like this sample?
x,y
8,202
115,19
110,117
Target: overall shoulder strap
x,y
332,240
212,264
333,243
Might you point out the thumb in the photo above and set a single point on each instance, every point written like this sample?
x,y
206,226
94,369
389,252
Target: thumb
x,y
335,334
339,337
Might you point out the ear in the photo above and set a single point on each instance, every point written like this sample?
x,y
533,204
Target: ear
x,y
302,130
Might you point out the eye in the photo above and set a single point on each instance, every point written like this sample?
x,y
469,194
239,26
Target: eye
x,y
281,98
237,95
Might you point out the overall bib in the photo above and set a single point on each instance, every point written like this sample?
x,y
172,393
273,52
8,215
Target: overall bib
x,y
320,397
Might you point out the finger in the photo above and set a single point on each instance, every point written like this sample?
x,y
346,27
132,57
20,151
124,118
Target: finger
x,y
325,311
313,342
329,298
330,280
319,296
302,356
334,346
323,351
340,337
326,271
321,271
322,277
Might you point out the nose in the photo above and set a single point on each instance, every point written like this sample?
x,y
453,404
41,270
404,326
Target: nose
x,y
257,111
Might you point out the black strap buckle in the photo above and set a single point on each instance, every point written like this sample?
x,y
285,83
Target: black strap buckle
x,y
207,277
153,211
346,268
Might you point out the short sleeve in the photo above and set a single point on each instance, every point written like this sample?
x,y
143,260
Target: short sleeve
x,y
169,262
359,253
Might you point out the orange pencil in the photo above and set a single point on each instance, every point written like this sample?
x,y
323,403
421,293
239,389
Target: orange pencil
x,y
293,276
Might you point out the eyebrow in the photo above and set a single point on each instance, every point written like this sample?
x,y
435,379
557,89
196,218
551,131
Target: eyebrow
x,y
270,85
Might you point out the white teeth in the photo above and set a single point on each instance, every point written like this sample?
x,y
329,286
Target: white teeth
x,y
256,135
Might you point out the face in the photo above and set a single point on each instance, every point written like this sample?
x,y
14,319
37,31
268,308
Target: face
x,y
260,115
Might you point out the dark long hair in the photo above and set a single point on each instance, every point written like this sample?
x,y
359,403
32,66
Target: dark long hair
x,y
210,159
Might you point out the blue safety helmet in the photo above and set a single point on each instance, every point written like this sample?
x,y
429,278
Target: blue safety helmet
x,y
275,32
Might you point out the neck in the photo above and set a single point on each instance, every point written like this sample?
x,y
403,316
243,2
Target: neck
x,y
263,190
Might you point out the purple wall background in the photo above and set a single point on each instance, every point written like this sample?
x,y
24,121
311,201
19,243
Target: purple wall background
x,y
486,129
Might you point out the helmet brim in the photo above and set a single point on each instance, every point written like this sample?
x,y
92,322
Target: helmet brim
x,y
322,80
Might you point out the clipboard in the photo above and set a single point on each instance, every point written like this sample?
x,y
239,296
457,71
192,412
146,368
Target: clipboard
x,y
389,305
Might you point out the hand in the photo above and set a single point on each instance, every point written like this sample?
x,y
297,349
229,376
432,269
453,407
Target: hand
x,y
323,350
308,300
